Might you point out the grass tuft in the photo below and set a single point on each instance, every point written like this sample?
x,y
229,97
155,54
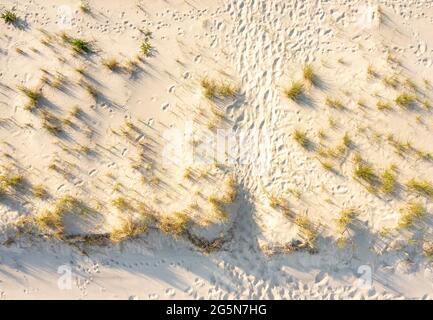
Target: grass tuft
x,y
301,138
413,211
111,63
174,224
334,103
212,89
9,17
423,187
146,48
80,45
309,74
405,100
389,181
33,95
294,92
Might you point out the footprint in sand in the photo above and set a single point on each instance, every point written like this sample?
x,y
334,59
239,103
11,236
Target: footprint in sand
x,y
171,89
153,296
170,292
165,106
187,75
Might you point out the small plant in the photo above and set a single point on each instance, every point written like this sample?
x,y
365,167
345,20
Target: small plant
x,y
405,100
307,230
209,88
33,95
332,122
120,203
343,222
391,81
382,105
131,65
308,73
301,138
64,37
91,90
364,171
389,181
231,192
187,173
217,208
51,123
127,228
277,202
39,191
174,224
9,17
413,211
427,248
372,72
80,69
361,103
347,141
327,165
399,147
110,64
221,90
8,181
80,45
423,187
334,103
409,84
84,6
227,90
345,219
295,91
146,48
59,81
426,104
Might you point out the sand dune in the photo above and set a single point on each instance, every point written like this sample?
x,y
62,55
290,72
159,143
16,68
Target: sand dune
x,y
230,149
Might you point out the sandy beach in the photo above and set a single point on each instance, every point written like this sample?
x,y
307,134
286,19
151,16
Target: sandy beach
x,y
216,149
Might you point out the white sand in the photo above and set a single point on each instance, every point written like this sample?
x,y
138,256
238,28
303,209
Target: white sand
x,y
259,46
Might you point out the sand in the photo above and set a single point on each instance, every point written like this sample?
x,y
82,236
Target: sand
x,y
162,190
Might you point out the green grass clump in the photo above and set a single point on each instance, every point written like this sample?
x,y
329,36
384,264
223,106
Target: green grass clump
x,y
334,103
405,100
413,211
146,48
347,141
80,45
174,224
308,73
391,81
301,138
423,187
371,71
345,219
364,171
85,7
382,105
9,17
295,91
33,95
327,165
389,181
212,89
307,230
110,63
